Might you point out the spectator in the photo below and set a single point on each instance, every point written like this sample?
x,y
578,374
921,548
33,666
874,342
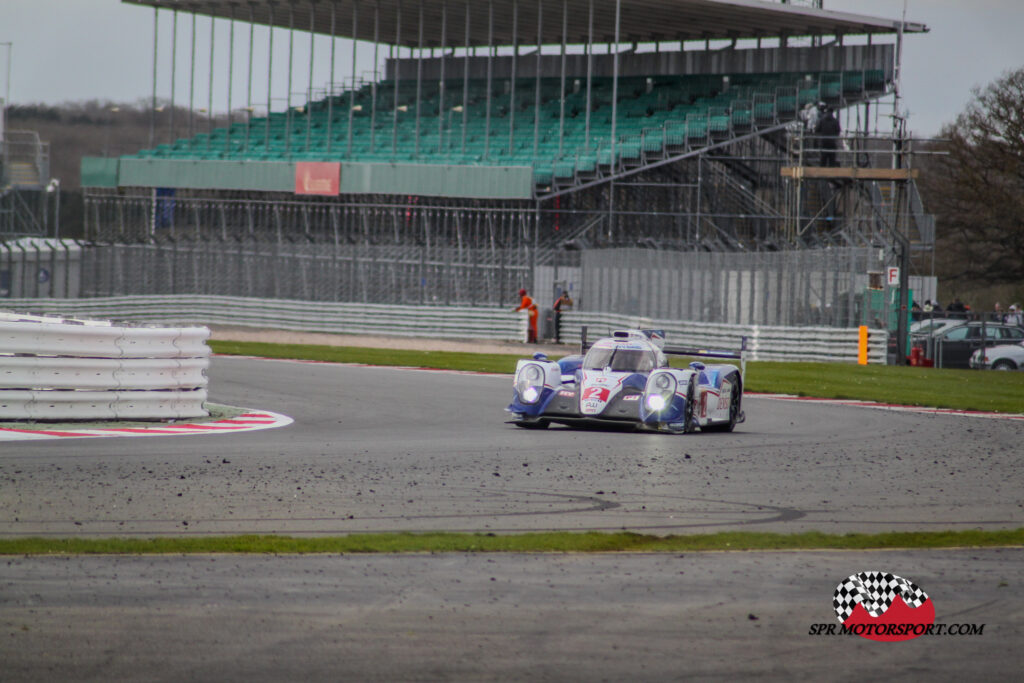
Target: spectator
x,y
915,311
927,308
997,313
957,308
828,130
563,302
1015,316
526,304
809,115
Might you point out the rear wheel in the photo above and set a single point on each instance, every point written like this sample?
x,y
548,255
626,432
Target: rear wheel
x,y
735,406
1004,364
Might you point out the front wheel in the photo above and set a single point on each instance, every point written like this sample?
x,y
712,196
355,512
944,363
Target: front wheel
x,y
690,417
1004,365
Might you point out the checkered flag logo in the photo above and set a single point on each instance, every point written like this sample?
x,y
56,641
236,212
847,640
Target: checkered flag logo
x,y
875,591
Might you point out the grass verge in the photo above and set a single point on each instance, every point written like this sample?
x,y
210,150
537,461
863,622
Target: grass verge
x,y
958,389
554,542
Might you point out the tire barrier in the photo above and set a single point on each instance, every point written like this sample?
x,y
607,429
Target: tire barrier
x,y
67,369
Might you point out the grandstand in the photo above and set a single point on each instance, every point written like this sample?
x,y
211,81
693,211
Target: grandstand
x,y
505,143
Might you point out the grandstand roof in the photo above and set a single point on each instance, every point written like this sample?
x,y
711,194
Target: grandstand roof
x,y
641,20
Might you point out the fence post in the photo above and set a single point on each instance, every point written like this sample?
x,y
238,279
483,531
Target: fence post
x,y
862,345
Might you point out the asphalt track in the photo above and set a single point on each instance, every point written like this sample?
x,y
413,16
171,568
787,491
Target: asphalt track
x,y
377,449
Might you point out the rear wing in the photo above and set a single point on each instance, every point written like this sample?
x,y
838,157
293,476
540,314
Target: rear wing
x,y
673,350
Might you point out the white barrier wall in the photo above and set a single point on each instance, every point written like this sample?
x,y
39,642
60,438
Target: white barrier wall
x,y
66,369
763,343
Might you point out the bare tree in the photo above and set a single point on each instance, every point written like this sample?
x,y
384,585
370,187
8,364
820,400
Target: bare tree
x,y
977,190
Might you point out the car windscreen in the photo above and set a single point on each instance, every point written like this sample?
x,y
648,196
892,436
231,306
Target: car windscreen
x,y
619,360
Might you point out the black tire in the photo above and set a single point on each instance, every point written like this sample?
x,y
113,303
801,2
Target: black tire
x,y
538,423
690,418
1004,364
735,406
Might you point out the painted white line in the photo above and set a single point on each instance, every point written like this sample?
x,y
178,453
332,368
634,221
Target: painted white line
x,y
889,406
250,420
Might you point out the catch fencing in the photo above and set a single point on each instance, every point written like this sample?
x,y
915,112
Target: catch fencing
x,y
763,342
66,369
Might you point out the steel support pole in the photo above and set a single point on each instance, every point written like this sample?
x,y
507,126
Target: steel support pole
x,y
309,88
373,86
330,82
615,82
398,76
231,74
192,84
590,70
615,112
465,81
536,78
174,71
209,93
152,106
288,90
248,86
419,79
352,85
270,73
561,94
440,86
512,80
490,68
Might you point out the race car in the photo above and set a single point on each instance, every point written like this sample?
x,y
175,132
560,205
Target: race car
x,y
625,380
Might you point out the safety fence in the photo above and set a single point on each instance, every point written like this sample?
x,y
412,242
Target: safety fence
x,y
310,316
65,369
763,342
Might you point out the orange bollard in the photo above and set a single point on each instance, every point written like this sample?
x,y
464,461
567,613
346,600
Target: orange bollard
x,y
862,345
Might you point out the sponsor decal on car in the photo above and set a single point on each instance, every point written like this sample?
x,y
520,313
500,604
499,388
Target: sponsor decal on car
x,y
725,396
631,397
596,393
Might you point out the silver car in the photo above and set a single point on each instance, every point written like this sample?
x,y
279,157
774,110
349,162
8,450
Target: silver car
x,y
1002,357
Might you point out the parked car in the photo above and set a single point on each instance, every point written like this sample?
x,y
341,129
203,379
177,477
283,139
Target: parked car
x,y
933,326
1002,357
952,347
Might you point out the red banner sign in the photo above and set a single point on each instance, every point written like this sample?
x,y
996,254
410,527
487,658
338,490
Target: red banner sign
x,y
317,177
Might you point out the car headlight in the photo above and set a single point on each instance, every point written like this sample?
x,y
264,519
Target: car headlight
x,y
660,389
530,382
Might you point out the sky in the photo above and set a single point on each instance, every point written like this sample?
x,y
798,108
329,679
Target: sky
x,y
77,50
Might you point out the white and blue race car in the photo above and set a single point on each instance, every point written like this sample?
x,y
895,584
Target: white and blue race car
x,y
625,380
